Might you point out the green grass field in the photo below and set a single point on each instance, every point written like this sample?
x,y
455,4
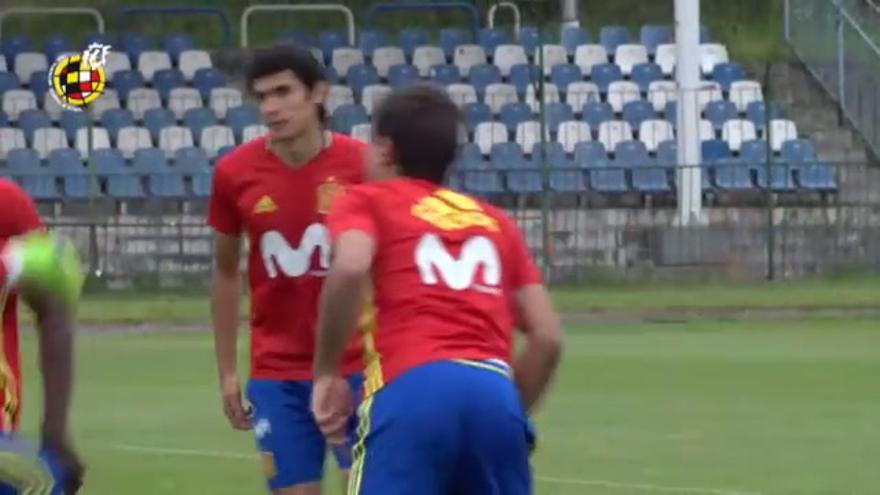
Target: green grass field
x,y
702,405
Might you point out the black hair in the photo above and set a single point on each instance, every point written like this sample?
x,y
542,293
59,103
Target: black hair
x,y
279,58
422,124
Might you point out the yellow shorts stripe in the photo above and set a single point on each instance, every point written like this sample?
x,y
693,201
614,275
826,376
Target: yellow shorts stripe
x,y
485,366
360,448
8,396
27,476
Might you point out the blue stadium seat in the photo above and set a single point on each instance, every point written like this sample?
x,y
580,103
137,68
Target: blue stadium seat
x,y
654,36
72,121
371,39
636,112
191,160
645,74
476,113
332,75
99,38
80,187
727,73
166,185
781,176
469,157
719,112
529,38
157,118
631,153
606,176
451,38
108,161
149,160
512,114
31,120
361,75
649,178
588,153
605,74
202,184
572,37
23,161
197,119
568,181
732,174
564,74
715,149
114,119
556,113
797,151
4,119
754,153
412,38
39,84
8,80
66,161
483,75
207,79
613,36
296,38
553,152
817,176
13,45
757,112
667,153
445,74
223,151
594,113
403,75
40,187
242,116
523,75
177,43
135,43
490,38
126,80
329,40
347,116
165,80
506,156
671,112
525,181
125,187
482,182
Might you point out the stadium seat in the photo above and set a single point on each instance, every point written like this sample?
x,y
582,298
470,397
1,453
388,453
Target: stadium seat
x,y
709,91
337,96
555,113
613,132
564,74
193,60
655,131
605,74
736,131
135,43
551,95
108,162
363,132
371,39
553,56
487,134
483,75
13,45
72,121
126,81
482,182
182,99
613,36
39,84
190,160
296,38
712,54
654,36
100,140
638,111
670,113
817,176
667,153
452,38
3,67
9,81
665,58
344,58
781,130
551,152
207,79
125,187
243,115
27,63
744,93
108,101
155,119
80,187
16,101
491,38
705,130
202,184
719,112
499,94
573,37
54,108
781,177
645,74
530,38
177,43
631,153
525,181
386,57
166,185
215,137
329,40
607,177
253,131
130,139
373,95
524,75
425,57
461,94
578,94
506,156
141,100
11,139
148,161
403,75
588,56
647,177
361,76
475,113
798,151
345,117
731,174
411,38
48,139
167,79
56,44
4,120
627,56
65,161
40,187
173,138
622,92
24,162
149,62
222,99
116,62
727,73
594,113
445,75
588,153
757,112
507,56
100,38
31,120
512,114
715,149
467,56
197,119
572,132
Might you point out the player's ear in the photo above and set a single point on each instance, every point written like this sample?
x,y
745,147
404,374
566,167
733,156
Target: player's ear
x,y
320,92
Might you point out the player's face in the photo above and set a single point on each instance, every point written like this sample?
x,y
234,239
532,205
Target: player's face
x,y
288,106
380,159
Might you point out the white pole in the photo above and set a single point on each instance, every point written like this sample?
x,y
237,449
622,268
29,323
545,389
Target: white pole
x,y
687,38
570,15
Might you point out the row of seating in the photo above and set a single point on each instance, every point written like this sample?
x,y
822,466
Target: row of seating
x,y
188,161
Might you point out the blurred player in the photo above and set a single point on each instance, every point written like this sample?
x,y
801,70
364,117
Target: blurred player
x,y
444,411
276,190
47,274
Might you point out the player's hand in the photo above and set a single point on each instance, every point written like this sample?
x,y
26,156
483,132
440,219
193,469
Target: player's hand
x,y
61,451
332,406
237,413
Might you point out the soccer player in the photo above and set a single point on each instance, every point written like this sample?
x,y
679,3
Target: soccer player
x,y
445,404
47,274
276,190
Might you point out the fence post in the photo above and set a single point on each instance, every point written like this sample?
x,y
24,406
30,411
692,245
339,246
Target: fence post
x,y
787,20
841,65
768,178
545,180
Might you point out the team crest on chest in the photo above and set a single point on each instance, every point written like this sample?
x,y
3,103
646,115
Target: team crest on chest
x,y
326,193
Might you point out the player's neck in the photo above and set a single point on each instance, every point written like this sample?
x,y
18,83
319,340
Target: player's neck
x,y
298,151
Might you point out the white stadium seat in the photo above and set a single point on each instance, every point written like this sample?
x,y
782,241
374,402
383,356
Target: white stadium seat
x,y
653,132
736,131
586,56
662,92
215,137
142,99
253,131
386,57
48,139
572,132
29,62
152,61
317,54
343,59
362,132
706,130
551,95
579,93
131,139
461,94
173,138
553,56
116,62
528,134
467,56
16,101
222,99
427,56
182,99
10,139
500,94
614,131
712,54
54,109
709,91
193,60
100,140
506,56
744,92
107,101
665,58
338,95
781,130
373,95
622,92
487,134
628,56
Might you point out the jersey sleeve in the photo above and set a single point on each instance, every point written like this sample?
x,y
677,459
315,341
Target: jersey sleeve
x,y
351,211
223,212
523,270
20,210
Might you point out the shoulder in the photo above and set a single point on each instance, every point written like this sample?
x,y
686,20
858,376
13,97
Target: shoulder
x,y
9,188
242,156
348,143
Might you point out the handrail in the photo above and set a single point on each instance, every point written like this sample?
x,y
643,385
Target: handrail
x,y
857,27
388,7
53,11
321,7
125,13
508,5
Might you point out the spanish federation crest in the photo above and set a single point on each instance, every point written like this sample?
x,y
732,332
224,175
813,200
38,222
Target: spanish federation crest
x,y
327,192
77,80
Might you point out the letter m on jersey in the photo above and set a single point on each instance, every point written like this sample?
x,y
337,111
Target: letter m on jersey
x,y
278,254
435,263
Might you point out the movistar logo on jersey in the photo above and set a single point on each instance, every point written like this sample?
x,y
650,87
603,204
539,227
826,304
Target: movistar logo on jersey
x,y
280,256
435,263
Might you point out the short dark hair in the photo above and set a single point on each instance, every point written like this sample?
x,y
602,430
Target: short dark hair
x,y
279,58
422,123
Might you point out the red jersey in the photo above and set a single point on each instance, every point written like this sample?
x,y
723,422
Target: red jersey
x,y
282,210
18,215
445,272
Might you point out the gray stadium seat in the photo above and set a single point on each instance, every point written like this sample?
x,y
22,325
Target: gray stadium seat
x,y
11,138
253,131
622,92
579,93
373,95
141,100
572,132
528,134
49,139
222,99
551,95
151,61
193,60
655,131
461,94
183,99
487,134
628,56
386,57
742,93
662,92
346,58
116,62
130,139
100,140
467,56
425,57
613,132
499,94
586,56
29,62
735,132
107,101
712,54
362,132
338,95
16,101
665,58
506,56
781,130
174,138
215,137
553,56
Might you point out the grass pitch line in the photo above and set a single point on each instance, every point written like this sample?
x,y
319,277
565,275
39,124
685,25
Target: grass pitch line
x,y
689,490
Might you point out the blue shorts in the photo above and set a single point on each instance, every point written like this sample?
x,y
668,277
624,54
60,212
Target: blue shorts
x,y
291,446
444,428
24,470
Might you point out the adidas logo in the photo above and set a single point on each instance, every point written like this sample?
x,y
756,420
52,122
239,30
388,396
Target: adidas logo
x,y
265,205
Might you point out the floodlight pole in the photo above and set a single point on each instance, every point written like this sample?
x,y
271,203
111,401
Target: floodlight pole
x,y
570,14
687,39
